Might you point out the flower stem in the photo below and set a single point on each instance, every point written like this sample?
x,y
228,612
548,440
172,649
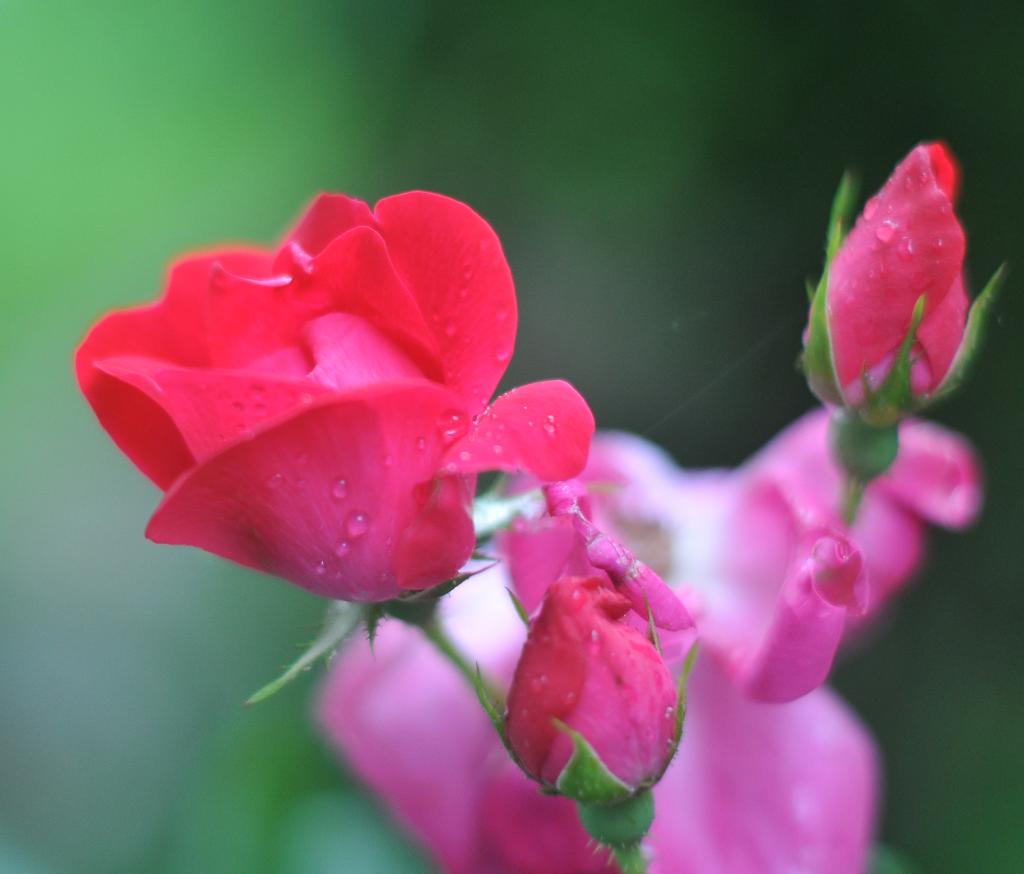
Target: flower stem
x,y
436,634
853,494
631,859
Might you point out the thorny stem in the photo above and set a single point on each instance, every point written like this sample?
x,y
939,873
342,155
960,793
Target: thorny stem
x,y
436,634
631,859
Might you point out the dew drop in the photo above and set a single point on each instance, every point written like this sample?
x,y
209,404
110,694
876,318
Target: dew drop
x,y
321,568
501,355
870,208
885,231
465,455
452,425
339,489
549,426
276,480
906,248
501,314
497,449
421,443
594,635
341,550
357,524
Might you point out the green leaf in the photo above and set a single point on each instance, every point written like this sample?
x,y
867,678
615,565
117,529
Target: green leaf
x,y
974,336
585,777
341,620
493,513
894,397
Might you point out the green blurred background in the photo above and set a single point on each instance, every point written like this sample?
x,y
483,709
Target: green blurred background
x,y
660,176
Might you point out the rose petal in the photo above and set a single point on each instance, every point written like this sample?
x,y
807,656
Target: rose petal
x,y
210,408
355,274
544,428
327,217
165,330
452,263
350,352
324,498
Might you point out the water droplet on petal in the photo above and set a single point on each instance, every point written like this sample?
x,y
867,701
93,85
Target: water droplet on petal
x,y
357,524
549,426
452,425
885,231
501,355
906,248
339,489
870,208
276,480
321,568
421,443
341,550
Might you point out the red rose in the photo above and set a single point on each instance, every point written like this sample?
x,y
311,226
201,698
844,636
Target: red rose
x,y
602,678
318,412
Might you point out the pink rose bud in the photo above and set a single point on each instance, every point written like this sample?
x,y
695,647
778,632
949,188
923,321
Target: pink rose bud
x,y
584,670
887,325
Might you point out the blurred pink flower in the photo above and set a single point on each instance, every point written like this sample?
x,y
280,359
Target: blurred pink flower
x,y
320,411
760,556
754,787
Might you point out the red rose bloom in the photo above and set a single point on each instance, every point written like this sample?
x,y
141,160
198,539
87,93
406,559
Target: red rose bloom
x,y
318,412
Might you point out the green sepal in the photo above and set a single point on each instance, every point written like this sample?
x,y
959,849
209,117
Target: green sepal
x,y
524,617
341,620
974,336
374,617
841,214
620,824
677,732
652,631
894,398
585,778
817,361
